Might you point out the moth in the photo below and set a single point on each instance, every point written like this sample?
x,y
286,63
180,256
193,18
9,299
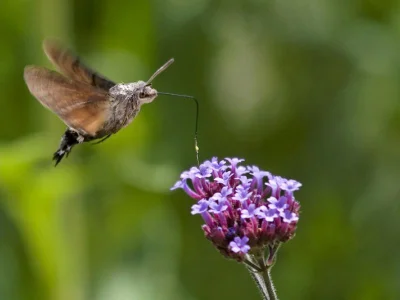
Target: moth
x,y
92,106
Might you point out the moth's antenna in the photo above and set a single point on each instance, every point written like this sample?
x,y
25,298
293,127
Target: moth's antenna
x,y
160,70
196,147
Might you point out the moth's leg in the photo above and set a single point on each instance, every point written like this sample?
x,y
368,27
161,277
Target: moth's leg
x,y
102,140
68,140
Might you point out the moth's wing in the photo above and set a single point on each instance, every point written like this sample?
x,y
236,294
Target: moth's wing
x,y
71,66
82,107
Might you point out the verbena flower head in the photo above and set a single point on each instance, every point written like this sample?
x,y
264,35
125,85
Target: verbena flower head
x,y
244,209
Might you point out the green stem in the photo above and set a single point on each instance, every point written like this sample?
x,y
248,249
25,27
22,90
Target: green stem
x,y
261,274
270,285
260,283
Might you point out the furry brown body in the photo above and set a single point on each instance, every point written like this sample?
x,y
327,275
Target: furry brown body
x,y
125,104
92,106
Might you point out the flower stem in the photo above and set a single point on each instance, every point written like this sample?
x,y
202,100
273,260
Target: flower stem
x,y
261,274
260,283
270,285
264,283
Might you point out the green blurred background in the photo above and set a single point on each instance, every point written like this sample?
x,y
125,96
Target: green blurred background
x,y
307,89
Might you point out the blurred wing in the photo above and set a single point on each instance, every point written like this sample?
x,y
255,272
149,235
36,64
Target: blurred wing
x,y
71,66
80,106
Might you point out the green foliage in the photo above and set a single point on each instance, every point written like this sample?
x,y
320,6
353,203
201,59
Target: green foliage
x,y
306,89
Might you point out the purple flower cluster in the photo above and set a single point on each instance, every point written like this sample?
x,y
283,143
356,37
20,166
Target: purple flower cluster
x,y
244,209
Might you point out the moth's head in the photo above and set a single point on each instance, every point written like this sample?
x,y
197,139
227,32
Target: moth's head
x,y
146,93
139,91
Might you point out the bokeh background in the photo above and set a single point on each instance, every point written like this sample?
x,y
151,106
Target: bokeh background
x,y
306,89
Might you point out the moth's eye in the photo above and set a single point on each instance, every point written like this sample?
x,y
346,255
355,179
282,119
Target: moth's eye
x,y
142,95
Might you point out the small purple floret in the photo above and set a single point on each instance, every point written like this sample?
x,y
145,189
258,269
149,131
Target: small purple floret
x,y
242,194
274,182
218,207
200,207
178,185
256,172
246,182
240,170
226,176
203,171
188,175
249,212
267,214
270,215
240,244
234,161
290,185
216,165
260,211
279,205
225,192
289,216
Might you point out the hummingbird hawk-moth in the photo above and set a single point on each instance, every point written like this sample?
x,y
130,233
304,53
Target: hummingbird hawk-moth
x,y
92,106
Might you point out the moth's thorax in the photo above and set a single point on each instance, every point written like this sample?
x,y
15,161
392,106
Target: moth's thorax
x,y
126,100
